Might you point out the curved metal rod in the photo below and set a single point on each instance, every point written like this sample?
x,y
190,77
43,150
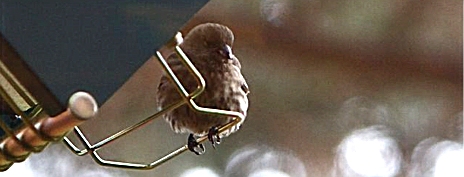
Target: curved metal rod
x,y
160,161
185,95
26,118
187,98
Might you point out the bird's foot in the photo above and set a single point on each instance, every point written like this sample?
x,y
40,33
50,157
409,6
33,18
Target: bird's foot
x,y
213,136
194,146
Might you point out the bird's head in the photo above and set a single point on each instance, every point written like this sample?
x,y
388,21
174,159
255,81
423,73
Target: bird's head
x,y
212,39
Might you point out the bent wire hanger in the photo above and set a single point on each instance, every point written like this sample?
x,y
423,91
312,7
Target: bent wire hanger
x,y
187,98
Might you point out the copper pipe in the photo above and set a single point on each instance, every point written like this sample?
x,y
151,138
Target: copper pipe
x,y
81,107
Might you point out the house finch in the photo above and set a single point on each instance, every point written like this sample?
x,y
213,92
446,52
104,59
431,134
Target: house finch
x,y
209,47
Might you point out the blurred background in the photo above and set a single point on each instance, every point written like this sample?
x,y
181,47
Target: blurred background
x,y
338,88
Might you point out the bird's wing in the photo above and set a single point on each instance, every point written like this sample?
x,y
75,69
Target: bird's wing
x,y
173,62
164,83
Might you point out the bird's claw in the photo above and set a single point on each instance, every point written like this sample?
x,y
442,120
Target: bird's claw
x,y
213,136
194,146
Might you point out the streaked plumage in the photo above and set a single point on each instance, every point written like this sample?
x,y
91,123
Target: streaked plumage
x,y
208,46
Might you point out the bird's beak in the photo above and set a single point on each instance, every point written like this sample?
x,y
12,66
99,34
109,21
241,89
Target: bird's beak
x,y
226,52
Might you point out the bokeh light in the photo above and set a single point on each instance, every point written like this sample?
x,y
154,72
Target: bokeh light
x,y
268,173
274,11
260,161
368,152
434,157
199,171
57,161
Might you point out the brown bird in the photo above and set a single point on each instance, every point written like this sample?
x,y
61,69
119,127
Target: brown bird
x,y
209,47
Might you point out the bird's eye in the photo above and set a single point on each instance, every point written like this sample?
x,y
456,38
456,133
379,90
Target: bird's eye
x,y
226,52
